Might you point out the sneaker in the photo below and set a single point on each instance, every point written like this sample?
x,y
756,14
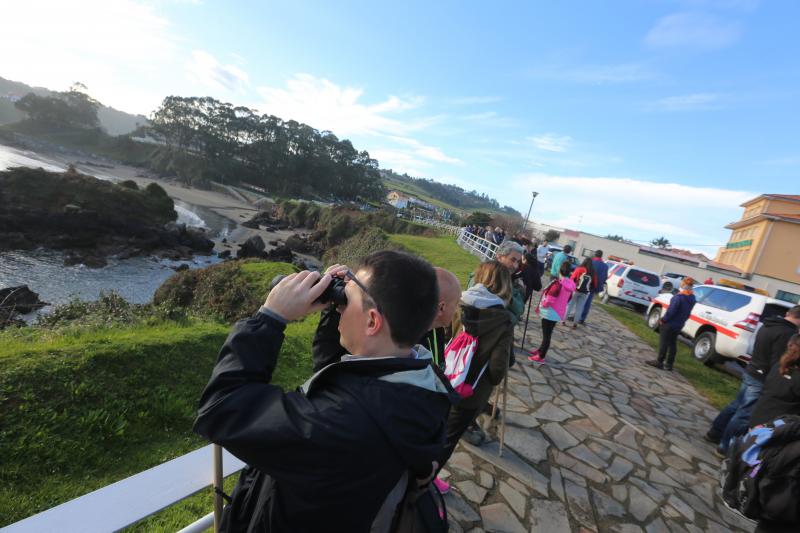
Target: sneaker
x,y
474,435
720,453
669,368
536,358
441,485
709,437
655,364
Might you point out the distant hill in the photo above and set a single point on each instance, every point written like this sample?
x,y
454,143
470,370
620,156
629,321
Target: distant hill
x,y
115,122
444,194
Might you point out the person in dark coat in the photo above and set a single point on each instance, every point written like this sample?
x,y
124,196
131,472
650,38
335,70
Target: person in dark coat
x,y
781,393
483,315
770,345
671,324
600,277
531,275
337,450
436,339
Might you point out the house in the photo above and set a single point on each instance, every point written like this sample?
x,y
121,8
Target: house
x,y
397,199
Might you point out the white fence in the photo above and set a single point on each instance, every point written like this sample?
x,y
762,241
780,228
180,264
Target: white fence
x,y
476,245
455,230
127,501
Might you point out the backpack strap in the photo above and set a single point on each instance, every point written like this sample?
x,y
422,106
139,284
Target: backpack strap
x,y
392,505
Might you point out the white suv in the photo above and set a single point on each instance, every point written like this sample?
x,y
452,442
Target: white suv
x,y
723,320
631,284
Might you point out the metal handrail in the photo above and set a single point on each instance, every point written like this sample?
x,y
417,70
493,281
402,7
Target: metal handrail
x,y
127,501
479,246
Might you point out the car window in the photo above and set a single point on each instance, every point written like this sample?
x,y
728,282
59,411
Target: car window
x,y
645,278
617,270
700,293
726,300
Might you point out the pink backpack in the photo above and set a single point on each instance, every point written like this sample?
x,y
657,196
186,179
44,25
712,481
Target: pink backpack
x,y
458,356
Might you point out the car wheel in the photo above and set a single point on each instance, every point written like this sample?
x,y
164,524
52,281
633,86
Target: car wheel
x,y
653,318
703,348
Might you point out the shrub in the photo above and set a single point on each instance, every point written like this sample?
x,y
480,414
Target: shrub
x,y
129,184
360,245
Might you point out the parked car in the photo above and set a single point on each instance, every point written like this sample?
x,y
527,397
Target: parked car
x,y
632,284
671,281
723,320
553,249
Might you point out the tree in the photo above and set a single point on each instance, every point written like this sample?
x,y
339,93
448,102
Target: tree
x,y
661,242
618,238
551,235
74,108
479,218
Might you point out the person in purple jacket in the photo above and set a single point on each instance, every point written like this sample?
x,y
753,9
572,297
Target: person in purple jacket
x,y
671,324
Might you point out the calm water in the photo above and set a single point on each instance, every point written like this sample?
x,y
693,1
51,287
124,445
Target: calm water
x,y
135,279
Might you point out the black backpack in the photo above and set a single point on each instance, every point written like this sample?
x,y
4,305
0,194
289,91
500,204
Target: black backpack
x,y
584,284
760,478
421,510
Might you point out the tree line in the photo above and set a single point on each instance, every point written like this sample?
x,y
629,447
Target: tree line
x,y
237,145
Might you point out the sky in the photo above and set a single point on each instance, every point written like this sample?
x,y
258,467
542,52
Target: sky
x,y
641,118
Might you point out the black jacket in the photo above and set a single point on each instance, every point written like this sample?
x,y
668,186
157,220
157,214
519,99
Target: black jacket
x,y
492,326
780,396
335,447
532,278
770,345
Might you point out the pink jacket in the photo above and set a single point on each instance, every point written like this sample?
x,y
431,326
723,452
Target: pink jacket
x,y
559,303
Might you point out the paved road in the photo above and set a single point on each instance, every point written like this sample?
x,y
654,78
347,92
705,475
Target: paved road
x,y
595,441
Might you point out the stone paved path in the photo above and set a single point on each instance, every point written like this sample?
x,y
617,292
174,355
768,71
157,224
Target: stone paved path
x,y
595,441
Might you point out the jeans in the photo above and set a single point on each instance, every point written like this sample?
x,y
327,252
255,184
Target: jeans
x,y
667,345
575,307
586,307
733,420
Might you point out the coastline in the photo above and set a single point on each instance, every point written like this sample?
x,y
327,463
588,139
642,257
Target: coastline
x,y
225,205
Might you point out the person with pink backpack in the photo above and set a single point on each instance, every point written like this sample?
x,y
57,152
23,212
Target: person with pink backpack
x,y
553,309
476,360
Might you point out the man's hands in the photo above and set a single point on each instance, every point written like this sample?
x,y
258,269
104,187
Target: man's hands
x,y
294,296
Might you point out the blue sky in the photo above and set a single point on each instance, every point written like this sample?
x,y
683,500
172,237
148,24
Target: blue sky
x,y
640,118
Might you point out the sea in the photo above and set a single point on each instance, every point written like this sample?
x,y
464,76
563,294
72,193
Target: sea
x,y
135,279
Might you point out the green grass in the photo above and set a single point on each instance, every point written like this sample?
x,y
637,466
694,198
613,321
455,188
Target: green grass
x,y
440,251
717,386
82,408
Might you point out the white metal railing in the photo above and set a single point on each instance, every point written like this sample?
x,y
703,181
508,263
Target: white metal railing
x,y
127,501
476,245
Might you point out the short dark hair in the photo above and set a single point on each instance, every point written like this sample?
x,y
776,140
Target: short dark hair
x,y
567,249
565,268
794,312
405,290
598,253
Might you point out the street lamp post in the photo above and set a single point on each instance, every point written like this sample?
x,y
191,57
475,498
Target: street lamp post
x,y
525,222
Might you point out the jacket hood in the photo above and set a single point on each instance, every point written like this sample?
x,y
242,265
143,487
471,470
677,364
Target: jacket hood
x,y
778,322
480,321
480,297
567,283
408,398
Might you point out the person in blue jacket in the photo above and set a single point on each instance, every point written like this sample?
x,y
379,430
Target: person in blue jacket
x,y
671,324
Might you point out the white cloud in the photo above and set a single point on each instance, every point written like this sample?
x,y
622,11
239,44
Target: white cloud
x,y
474,100
106,44
687,102
205,69
635,208
693,29
426,152
595,74
551,142
325,105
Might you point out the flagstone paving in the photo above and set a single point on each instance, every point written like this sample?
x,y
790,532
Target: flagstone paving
x,y
594,441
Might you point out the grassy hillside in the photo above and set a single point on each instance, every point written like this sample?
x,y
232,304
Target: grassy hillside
x,y
440,251
83,405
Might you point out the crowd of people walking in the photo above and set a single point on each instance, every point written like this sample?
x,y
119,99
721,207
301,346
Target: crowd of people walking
x,y
405,365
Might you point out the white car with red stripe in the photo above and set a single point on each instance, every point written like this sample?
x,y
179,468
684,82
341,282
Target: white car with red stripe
x,y
631,284
723,320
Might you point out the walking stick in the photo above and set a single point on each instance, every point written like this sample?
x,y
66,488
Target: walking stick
x,y
217,485
525,330
503,421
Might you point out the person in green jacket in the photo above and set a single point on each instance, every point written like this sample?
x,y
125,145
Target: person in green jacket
x,y
509,254
559,258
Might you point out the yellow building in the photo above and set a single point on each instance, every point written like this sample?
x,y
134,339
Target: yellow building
x,y
766,241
